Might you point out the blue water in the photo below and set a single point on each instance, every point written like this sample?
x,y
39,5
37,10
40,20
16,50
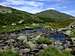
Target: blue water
x,y
57,36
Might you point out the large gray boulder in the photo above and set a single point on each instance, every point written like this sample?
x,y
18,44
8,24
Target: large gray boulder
x,y
22,38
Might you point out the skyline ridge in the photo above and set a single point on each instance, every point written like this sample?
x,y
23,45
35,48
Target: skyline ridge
x,y
34,6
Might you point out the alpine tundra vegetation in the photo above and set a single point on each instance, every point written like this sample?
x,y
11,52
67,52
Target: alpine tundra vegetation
x,y
47,33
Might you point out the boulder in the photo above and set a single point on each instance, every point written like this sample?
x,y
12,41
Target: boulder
x,y
31,45
43,46
26,50
23,38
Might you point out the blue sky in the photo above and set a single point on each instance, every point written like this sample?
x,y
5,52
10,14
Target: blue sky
x,y
34,6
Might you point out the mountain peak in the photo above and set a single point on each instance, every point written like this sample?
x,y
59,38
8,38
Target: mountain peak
x,y
53,15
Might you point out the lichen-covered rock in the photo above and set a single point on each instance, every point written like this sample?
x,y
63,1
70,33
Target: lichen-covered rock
x,y
23,38
31,45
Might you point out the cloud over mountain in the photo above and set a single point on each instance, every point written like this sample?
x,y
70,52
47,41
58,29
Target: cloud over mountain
x,y
34,6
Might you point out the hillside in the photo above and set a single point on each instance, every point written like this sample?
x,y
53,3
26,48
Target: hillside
x,y
9,16
55,18
53,15
13,19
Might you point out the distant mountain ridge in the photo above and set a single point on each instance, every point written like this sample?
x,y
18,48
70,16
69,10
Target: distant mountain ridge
x,y
13,19
53,15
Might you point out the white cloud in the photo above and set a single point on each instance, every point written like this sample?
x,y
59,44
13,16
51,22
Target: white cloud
x,y
13,2
51,8
70,12
34,6
22,2
35,3
29,6
29,9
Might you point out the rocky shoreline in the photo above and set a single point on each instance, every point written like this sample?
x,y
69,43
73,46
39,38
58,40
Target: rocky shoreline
x,y
25,42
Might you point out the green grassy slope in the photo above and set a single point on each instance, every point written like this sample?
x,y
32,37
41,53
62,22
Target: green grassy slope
x,y
53,16
12,19
55,19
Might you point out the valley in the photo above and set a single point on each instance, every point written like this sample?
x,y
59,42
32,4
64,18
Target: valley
x,y
40,34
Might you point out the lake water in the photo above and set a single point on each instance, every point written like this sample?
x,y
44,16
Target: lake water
x,y
51,34
57,36
54,35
